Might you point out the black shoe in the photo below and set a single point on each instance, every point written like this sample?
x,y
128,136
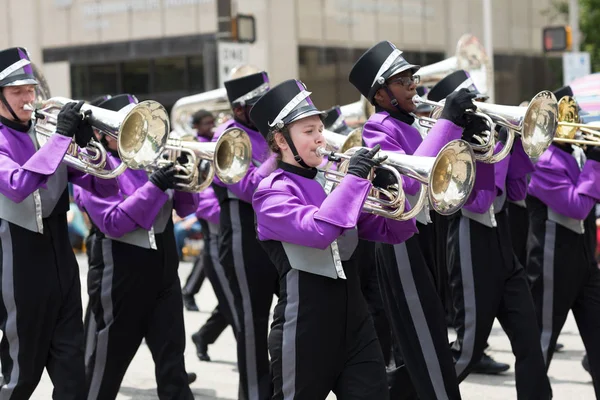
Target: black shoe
x,y
201,348
559,347
586,364
488,366
191,377
189,303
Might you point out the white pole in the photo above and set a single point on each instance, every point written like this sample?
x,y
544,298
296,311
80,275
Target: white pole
x,y
489,45
574,23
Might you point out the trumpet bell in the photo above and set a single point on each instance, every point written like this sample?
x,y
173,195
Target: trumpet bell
x,y
143,134
567,112
452,177
539,124
233,153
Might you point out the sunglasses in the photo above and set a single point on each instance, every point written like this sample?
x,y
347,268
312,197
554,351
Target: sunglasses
x,y
406,81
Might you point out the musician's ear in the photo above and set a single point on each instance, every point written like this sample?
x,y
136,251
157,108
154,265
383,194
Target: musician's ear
x,y
379,97
280,141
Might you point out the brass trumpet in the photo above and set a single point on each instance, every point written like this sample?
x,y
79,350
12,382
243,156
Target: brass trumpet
x,y
447,180
570,127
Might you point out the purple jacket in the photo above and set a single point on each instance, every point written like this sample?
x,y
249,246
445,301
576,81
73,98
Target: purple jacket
x,y
261,155
208,206
136,205
24,170
559,183
295,209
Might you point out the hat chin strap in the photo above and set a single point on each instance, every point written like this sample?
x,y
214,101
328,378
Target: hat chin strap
x,y
393,100
297,157
8,107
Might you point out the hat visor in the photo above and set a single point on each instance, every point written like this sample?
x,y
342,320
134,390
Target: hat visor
x,y
22,82
413,68
308,113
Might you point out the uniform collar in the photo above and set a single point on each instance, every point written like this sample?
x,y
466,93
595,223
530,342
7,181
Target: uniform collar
x,y
399,115
304,172
15,125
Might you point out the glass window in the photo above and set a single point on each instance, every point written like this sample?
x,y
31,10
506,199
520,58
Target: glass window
x,y
79,81
136,77
196,71
105,79
169,74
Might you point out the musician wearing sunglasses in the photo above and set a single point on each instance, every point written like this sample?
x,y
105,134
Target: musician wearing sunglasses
x,y
251,275
133,286
40,292
562,194
322,338
414,309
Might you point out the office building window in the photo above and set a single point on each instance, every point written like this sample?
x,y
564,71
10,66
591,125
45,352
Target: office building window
x,y
196,71
169,74
105,78
79,81
136,77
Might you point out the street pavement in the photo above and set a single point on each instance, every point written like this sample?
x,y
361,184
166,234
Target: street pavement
x,y
217,380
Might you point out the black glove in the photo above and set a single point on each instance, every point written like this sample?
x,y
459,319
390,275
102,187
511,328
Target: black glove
x,y
164,178
85,133
362,162
383,178
456,105
69,119
182,159
593,153
474,126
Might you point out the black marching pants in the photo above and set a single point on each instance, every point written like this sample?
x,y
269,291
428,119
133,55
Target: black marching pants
x,y
487,282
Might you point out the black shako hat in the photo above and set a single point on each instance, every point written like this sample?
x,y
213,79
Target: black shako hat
x,y
285,103
375,66
452,83
15,68
245,91
563,91
334,121
99,99
117,102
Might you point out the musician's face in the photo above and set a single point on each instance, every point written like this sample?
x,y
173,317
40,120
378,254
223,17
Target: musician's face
x,y
307,135
17,97
402,88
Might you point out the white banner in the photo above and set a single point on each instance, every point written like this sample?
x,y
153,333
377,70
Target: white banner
x,y
231,55
575,65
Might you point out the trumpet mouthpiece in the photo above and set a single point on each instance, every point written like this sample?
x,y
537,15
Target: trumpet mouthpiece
x,y
28,107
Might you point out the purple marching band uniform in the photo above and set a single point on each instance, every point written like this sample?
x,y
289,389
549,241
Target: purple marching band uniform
x,y
562,194
133,284
41,294
208,213
322,338
488,282
252,277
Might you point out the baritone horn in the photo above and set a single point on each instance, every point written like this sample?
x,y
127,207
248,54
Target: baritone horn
x,y
142,126
447,180
571,129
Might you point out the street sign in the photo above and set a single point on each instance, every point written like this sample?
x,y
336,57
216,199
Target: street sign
x,y
231,55
575,65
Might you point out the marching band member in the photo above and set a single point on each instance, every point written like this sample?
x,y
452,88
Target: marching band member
x,y
133,284
224,314
563,191
415,311
252,277
486,279
203,123
335,121
322,338
41,317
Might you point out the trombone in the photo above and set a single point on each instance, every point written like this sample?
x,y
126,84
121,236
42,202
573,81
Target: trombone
x,y
447,179
570,127
536,123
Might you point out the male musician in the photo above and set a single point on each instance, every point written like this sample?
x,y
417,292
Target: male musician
x,y
40,312
203,123
563,191
133,284
415,312
252,277
486,279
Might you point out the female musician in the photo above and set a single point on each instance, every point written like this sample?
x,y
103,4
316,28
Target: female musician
x,y
322,338
415,311
133,284
252,277
40,292
563,191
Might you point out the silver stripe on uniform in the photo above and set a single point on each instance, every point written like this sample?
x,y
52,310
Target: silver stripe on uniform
x,y
225,286
548,289
240,273
466,270
419,321
106,287
8,297
288,346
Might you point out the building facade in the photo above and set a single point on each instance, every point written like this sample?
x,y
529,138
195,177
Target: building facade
x,y
166,49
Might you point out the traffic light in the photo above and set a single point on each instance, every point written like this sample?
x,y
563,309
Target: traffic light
x,y
243,28
557,38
